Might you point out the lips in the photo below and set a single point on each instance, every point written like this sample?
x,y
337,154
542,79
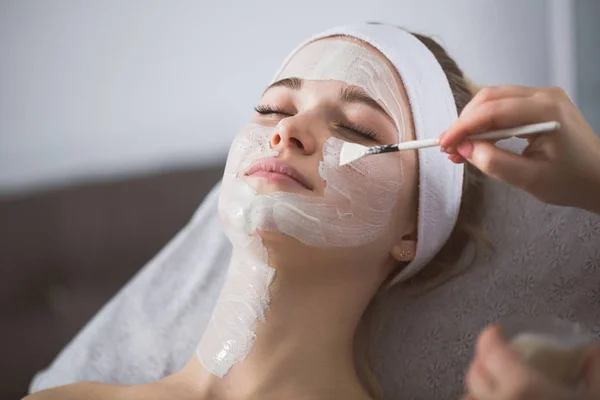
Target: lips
x,y
272,165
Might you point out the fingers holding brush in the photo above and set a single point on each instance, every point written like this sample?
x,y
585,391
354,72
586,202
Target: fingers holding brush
x,y
498,108
561,167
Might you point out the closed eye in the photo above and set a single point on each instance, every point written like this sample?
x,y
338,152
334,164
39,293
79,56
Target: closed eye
x,y
270,110
359,130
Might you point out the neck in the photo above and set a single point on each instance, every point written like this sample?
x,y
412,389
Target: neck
x,y
301,346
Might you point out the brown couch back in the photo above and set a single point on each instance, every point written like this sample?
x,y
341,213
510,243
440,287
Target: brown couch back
x,y
65,252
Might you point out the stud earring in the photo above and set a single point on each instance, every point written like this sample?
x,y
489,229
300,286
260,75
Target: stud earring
x,y
405,253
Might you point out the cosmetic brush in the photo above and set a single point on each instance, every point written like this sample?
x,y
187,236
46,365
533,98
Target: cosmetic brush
x,y
353,151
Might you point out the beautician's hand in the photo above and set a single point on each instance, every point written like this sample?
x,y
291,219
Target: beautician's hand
x,y
497,373
561,167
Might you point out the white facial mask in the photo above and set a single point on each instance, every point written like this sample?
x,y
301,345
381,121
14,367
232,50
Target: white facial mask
x,y
356,209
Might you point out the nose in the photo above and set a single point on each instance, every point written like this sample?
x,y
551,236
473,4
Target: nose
x,y
294,134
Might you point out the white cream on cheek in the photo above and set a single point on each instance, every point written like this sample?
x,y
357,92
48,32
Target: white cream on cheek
x,y
355,210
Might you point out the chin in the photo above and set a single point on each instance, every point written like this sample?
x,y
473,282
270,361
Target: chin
x,y
285,246
270,238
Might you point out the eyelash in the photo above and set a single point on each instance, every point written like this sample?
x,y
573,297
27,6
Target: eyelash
x,y
359,130
268,110
368,134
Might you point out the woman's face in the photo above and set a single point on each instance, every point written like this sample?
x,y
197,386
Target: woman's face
x,y
282,173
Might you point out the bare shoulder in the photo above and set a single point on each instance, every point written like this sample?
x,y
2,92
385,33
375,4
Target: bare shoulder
x,y
85,390
101,391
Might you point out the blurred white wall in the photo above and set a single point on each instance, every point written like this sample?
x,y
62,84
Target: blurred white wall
x,y
90,89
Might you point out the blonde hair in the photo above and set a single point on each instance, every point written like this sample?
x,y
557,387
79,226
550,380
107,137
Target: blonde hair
x,y
444,266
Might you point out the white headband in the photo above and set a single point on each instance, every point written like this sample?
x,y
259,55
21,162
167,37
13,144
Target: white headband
x,y
433,111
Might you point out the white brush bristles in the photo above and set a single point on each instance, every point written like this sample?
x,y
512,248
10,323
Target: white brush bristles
x,y
351,152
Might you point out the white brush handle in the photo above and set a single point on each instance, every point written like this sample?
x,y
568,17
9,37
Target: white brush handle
x,y
418,144
492,135
520,131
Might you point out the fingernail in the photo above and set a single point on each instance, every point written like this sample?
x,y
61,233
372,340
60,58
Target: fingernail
x,y
465,149
441,137
443,149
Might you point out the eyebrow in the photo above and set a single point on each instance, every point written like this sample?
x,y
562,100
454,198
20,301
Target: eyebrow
x,y
290,83
348,94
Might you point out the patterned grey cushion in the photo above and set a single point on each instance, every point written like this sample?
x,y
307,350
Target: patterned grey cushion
x,y
546,263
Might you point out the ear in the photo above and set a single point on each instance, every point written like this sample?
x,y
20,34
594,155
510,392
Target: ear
x,y
405,249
